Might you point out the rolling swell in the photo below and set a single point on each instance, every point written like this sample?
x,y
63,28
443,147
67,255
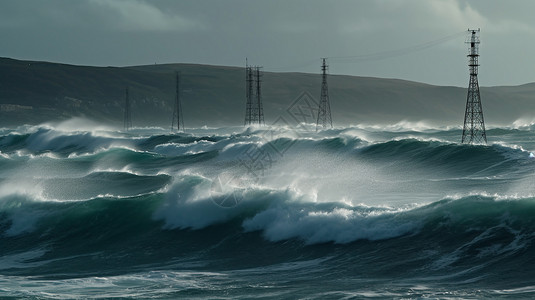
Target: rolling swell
x,y
95,184
123,234
428,153
449,158
81,204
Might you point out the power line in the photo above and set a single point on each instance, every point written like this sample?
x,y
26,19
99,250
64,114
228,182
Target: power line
x,y
397,52
372,56
302,64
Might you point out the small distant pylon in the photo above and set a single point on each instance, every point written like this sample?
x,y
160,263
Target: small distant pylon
x,y
254,111
474,124
324,112
127,112
177,111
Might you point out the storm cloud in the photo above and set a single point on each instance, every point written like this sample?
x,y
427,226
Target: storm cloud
x,y
410,39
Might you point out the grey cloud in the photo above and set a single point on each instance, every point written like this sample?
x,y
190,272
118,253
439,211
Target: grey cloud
x,y
280,35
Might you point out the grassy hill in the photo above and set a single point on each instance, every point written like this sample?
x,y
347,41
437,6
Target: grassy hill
x,y
34,92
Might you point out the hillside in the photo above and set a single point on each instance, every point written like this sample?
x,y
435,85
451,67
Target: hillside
x,y
34,92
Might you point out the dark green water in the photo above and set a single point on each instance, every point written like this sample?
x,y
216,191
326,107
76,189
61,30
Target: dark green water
x,y
276,213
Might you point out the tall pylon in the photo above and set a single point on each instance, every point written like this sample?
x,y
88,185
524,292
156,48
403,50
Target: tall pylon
x,y
324,111
474,124
177,111
254,111
249,80
127,112
259,113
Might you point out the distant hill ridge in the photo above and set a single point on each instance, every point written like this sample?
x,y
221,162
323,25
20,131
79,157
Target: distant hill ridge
x,y
32,92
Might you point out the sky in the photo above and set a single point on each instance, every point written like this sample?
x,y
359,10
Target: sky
x,y
418,40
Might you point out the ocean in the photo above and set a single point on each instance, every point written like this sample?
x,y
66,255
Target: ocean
x,y
375,212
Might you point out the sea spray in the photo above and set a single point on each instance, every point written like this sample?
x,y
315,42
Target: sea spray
x,y
399,211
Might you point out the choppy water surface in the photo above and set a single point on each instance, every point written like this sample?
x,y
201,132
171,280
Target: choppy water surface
x,y
375,212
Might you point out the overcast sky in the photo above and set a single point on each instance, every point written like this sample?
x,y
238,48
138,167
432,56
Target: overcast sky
x,y
420,40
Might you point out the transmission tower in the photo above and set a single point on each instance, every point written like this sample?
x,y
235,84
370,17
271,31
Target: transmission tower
x,y
177,111
474,124
324,112
249,80
259,114
127,112
254,111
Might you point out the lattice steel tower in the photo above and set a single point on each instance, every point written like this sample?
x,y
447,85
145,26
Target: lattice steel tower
x,y
258,116
177,111
474,124
249,80
324,111
127,112
254,111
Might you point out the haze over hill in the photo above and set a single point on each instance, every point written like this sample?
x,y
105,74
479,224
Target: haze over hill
x,y
35,92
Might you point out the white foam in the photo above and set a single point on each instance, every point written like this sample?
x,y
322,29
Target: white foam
x,y
338,224
189,203
4,155
152,284
175,149
404,125
280,214
77,124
